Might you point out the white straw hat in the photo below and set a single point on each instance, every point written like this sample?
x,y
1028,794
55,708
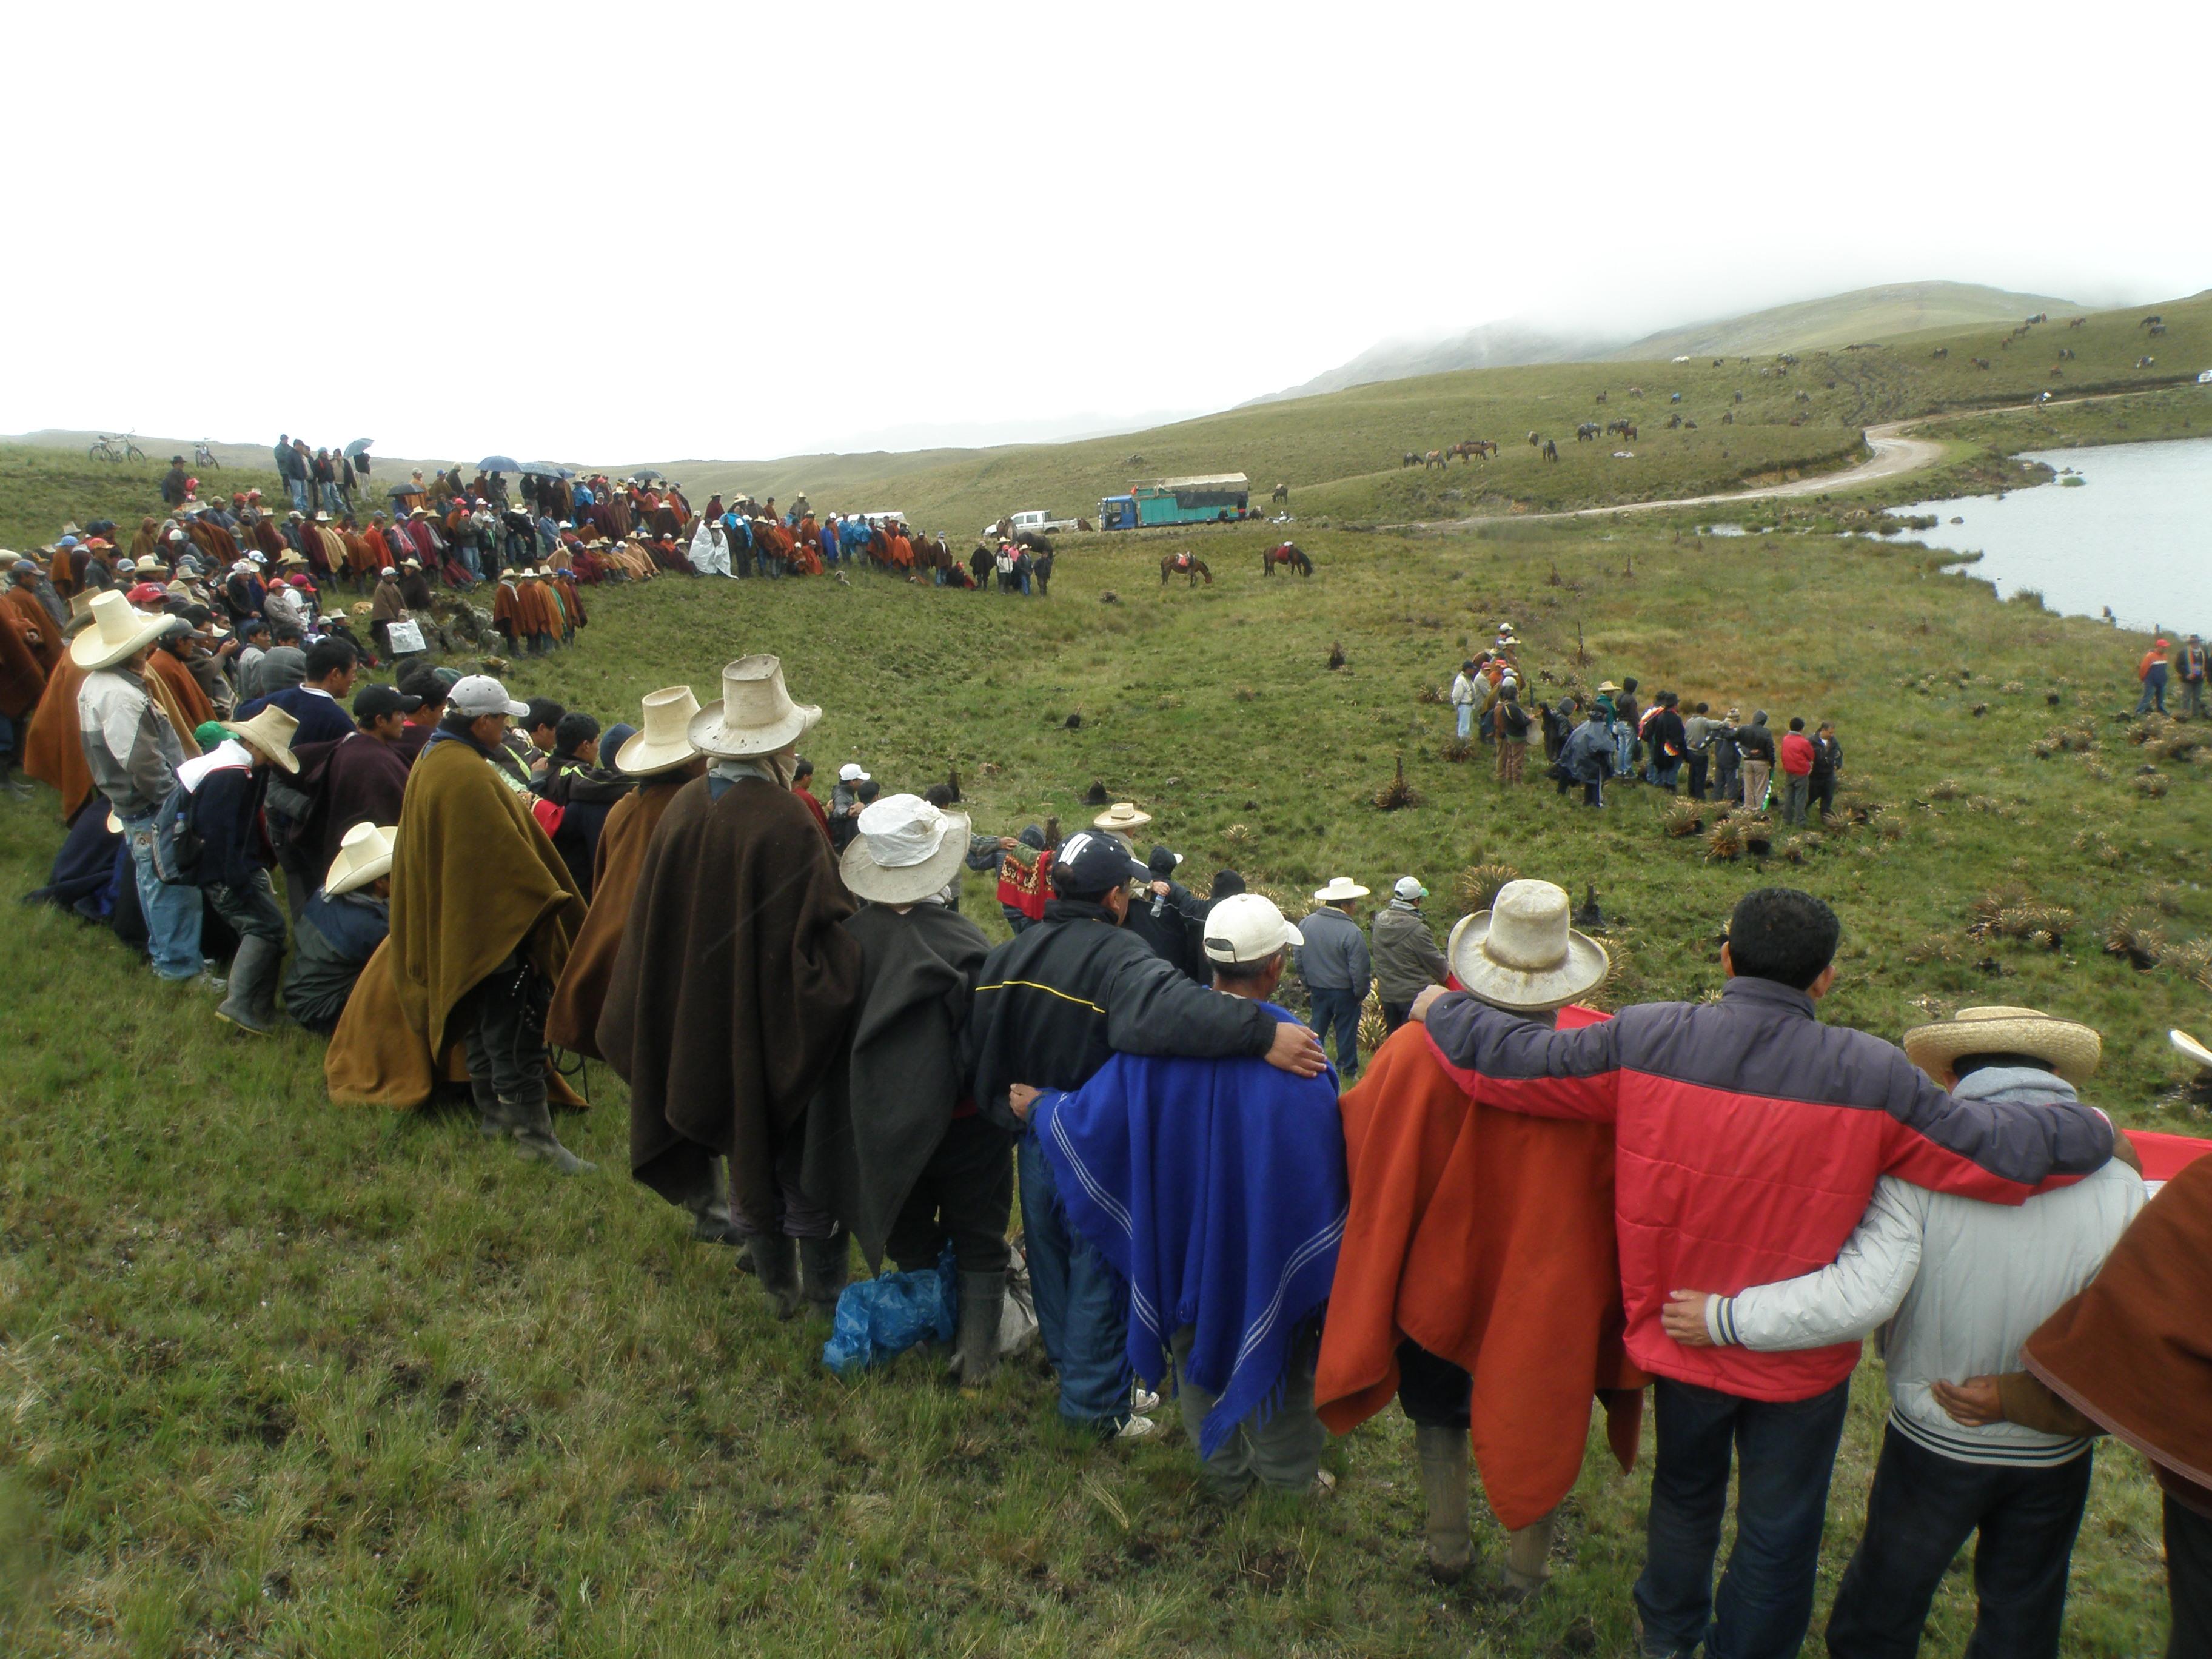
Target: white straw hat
x,y
117,635
270,733
2073,1050
1122,814
755,715
664,742
363,855
1340,889
907,850
1520,954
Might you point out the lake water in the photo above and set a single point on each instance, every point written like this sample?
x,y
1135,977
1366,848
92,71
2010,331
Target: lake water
x,y
2136,536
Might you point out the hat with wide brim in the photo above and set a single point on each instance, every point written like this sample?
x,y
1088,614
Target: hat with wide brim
x,y
755,715
906,850
2071,1048
270,733
1521,955
1122,814
665,741
116,633
1339,891
363,855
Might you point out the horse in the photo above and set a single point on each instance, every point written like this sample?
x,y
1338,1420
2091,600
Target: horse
x,y
1600,397
1550,450
2157,329
1979,362
1409,459
1282,493
1727,417
1288,555
1672,421
1941,351
1636,391
2153,320
1674,396
1689,426
1534,440
2076,322
1585,432
1434,458
1184,563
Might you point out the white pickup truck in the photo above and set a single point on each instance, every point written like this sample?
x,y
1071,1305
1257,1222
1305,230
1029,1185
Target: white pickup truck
x,y
1039,522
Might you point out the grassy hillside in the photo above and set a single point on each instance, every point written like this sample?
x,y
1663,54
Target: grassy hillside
x,y
1842,319
41,489
277,1377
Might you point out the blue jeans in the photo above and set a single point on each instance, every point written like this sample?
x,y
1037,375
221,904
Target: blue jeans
x,y
2153,691
333,503
1785,1452
298,487
1341,1010
1082,1304
1466,719
1922,1509
1623,750
172,913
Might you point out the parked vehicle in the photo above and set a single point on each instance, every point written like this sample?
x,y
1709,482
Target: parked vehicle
x,y
1207,498
1035,522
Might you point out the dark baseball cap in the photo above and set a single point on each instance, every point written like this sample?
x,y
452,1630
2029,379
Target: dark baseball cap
x,y
1092,861
374,702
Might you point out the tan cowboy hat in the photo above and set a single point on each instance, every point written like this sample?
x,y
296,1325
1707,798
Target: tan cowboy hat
x,y
907,849
1340,889
1122,814
1521,955
9,558
270,733
2073,1050
289,557
360,607
755,715
2190,1046
117,633
664,741
363,855
1607,685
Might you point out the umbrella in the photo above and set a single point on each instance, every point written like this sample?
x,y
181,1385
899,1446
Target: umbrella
x,y
498,464
359,446
411,488
644,473
547,470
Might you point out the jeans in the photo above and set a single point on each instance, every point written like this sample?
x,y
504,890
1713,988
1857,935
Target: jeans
x,y
251,910
1340,1009
172,913
1824,793
1921,1510
1667,775
1082,1304
1796,789
2193,699
1466,719
333,503
2153,691
1281,1449
1698,764
1624,749
1785,1452
1725,779
2188,1580
298,489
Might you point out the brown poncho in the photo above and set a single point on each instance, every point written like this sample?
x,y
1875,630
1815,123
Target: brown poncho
x,y
473,879
732,988
2133,1352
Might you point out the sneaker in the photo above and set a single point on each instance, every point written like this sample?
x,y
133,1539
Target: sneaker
x,y
1142,1399
1137,1428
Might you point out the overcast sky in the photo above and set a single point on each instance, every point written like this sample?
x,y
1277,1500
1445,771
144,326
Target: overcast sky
x,y
651,231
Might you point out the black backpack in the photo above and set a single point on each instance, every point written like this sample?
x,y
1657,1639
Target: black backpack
x,y
178,843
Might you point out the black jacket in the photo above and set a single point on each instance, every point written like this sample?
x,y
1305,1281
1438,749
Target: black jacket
x,y
1755,742
1054,1002
585,794
227,812
1670,741
1170,925
1827,758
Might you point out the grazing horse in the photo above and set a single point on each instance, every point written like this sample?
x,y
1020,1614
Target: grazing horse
x,y
1185,563
1534,440
1672,421
1409,459
1727,417
2145,362
1941,351
1738,397
2076,322
1689,426
1550,450
1600,397
2157,329
1434,458
1586,432
1289,556
2152,321
1979,362
1636,391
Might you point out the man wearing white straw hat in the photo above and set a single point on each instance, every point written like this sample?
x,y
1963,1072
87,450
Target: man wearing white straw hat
x,y
1337,968
733,988
1956,1287
226,788
1787,1124
134,753
348,917
896,1148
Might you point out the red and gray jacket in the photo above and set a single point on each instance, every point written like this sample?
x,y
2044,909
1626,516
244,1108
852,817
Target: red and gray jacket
x,y
1748,1139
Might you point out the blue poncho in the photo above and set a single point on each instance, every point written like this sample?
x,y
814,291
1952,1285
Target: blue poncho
x,y
1217,1188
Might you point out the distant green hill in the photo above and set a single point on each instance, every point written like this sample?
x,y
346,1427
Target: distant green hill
x,y
1840,320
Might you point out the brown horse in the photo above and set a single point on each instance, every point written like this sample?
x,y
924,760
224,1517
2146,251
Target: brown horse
x,y
1184,563
1282,494
1288,555
1434,458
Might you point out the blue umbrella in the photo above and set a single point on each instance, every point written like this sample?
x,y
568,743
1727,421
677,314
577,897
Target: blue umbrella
x,y
498,464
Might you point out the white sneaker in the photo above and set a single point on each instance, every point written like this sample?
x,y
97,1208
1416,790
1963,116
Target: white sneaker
x,y
1138,1428
1142,1399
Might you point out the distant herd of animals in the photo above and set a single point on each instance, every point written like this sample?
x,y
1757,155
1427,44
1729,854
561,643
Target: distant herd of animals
x,y
2154,323
1288,556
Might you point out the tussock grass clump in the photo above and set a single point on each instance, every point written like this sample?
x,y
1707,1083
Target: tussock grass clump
x,y
2092,842
2150,785
1397,795
1725,843
2163,897
1937,948
1944,789
1478,884
2136,938
1683,817
2191,959
1373,1028
1431,694
1458,751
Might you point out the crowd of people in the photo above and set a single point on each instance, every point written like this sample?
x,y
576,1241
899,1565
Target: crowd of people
x,y
1517,1205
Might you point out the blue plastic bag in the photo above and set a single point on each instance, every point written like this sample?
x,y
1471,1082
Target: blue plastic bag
x,y
885,1315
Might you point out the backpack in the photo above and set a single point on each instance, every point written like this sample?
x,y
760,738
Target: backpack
x,y
178,843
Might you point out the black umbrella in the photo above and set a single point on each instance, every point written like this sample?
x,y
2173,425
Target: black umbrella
x,y
646,474
409,489
359,446
547,470
498,464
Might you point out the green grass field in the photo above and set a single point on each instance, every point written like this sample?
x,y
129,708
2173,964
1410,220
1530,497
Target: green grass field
x,y
281,1377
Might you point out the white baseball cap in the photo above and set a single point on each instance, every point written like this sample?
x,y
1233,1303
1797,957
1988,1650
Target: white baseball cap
x,y
1245,927
850,772
479,695
1409,888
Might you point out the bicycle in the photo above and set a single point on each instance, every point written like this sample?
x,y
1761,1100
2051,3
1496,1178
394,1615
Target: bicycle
x,y
204,457
116,448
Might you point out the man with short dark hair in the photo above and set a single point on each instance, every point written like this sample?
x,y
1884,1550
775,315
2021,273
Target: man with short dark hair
x,y
313,703
1797,761
360,778
1788,1123
583,790
1828,762
1698,743
430,687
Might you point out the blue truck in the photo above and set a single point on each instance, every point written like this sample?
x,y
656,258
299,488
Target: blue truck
x,y
1212,498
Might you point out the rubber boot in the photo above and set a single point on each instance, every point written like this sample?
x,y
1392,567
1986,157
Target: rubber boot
x,y
253,985
975,1350
1442,1452
826,1267
534,1137
1529,1557
775,1260
710,1207
492,1122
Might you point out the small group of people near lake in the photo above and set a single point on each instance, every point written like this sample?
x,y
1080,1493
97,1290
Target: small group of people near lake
x,y
2164,662
1483,1221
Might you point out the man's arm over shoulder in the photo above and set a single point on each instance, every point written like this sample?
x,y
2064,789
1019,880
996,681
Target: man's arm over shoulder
x,y
1527,1068
1152,1008
1991,1150
1840,1303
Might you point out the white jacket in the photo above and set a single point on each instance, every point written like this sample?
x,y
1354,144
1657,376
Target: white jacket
x,y
1462,691
1962,1284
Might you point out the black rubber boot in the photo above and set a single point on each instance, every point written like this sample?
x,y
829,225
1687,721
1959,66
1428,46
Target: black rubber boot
x,y
775,1260
534,1137
710,1207
975,1350
825,1268
251,1004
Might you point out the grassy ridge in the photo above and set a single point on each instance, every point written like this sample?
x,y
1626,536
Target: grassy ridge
x,y
278,1377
